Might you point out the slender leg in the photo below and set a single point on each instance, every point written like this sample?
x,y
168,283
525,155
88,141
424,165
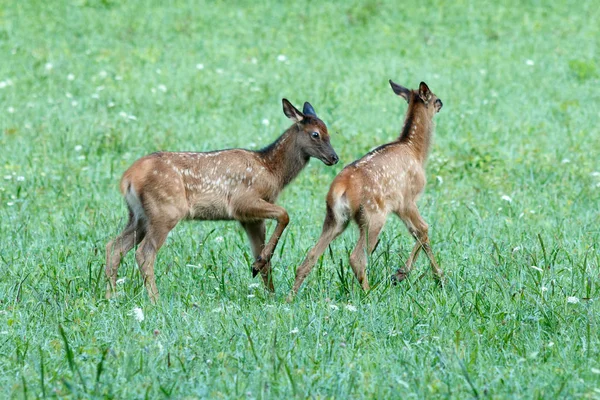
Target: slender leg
x,y
331,229
117,248
370,226
258,209
146,255
419,229
256,232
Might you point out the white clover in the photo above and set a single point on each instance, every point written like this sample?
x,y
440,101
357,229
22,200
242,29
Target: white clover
x,y
294,331
48,66
20,178
529,62
11,110
123,114
95,96
199,66
253,60
118,78
78,147
544,289
2,85
351,308
110,104
219,71
8,177
132,117
595,371
565,161
281,58
252,145
572,300
250,296
162,88
219,239
254,285
265,122
217,310
100,88
120,281
506,198
71,77
138,314
103,74
74,103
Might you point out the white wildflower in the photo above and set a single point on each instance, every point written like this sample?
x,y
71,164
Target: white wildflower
x,y
439,179
199,67
219,239
294,331
99,88
8,177
219,71
110,104
103,74
2,85
351,308
71,77
10,203
334,307
250,296
95,96
507,198
252,145
132,117
74,103
81,157
595,371
48,66
162,88
529,62
20,178
565,161
572,300
11,110
138,314
120,281
78,147
544,289
550,344
118,78
253,60
281,58
217,310
254,285
265,122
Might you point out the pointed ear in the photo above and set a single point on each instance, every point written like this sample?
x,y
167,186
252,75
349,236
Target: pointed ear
x,y
424,92
291,112
309,110
400,91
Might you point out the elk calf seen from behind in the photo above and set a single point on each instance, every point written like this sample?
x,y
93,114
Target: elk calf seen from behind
x,y
388,179
164,188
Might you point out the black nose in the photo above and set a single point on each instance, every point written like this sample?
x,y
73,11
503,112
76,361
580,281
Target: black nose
x,y
439,103
334,158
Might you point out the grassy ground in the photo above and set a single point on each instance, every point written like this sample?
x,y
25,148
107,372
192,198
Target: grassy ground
x,y
87,86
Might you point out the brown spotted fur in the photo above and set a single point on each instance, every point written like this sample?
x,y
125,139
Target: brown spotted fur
x,y
164,188
388,179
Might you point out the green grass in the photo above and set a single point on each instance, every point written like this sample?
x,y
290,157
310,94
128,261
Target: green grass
x,y
519,84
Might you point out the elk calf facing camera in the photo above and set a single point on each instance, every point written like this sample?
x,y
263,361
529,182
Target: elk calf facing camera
x,y
388,179
164,188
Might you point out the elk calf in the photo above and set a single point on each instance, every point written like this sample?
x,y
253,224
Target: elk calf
x,y
163,188
388,179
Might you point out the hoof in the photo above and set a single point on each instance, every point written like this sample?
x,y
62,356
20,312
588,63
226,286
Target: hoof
x,y
398,277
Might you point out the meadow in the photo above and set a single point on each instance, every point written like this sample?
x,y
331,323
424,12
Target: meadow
x,y
512,200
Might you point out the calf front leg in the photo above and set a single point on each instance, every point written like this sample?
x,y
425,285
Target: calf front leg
x,y
259,209
256,232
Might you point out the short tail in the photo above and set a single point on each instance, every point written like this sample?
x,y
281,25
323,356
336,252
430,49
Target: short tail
x,y
338,205
134,203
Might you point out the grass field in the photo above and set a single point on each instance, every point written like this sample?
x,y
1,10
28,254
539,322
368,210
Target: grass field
x,y
513,199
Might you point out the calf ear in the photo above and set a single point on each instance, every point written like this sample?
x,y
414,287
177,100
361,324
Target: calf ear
x,y
309,110
424,92
400,91
291,112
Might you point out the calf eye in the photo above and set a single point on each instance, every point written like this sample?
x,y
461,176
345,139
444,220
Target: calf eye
x,y
315,135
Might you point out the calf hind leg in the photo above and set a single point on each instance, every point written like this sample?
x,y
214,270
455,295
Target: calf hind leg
x,y
117,248
369,233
